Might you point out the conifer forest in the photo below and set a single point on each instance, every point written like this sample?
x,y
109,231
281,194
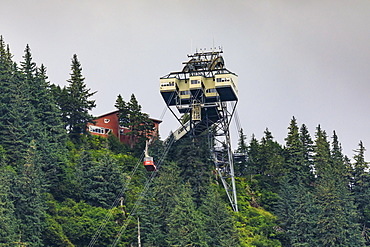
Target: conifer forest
x,y
62,186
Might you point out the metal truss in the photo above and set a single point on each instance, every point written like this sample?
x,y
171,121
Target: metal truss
x,y
222,153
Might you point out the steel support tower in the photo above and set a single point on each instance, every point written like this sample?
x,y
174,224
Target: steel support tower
x,y
205,94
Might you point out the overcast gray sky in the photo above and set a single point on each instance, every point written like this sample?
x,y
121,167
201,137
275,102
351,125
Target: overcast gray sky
x,y
308,59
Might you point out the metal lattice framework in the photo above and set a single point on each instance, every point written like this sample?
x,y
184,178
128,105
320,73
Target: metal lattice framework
x,y
205,95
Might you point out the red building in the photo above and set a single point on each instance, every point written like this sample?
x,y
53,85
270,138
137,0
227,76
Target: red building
x,y
108,123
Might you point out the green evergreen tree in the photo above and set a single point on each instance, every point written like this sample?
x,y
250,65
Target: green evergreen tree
x,y
217,220
296,205
337,217
103,182
8,222
131,117
240,165
268,159
360,187
272,157
16,113
184,222
295,154
76,111
307,145
297,212
253,167
158,205
28,192
192,158
51,135
123,111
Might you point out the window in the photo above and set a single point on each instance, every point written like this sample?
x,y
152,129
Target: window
x,y
195,81
223,79
99,130
168,84
106,120
185,92
211,90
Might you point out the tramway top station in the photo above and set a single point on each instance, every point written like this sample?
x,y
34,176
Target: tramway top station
x,y
200,88
205,94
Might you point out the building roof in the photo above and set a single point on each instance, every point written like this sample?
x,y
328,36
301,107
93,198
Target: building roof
x,y
116,111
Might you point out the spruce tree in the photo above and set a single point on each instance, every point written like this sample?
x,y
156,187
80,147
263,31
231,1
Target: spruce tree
x,y
295,153
192,158
103,182
297,212
184,222
29,198
51,135
131,117
272,157
269,162
296,205
18,124
76,111
8,222
307,146
336,217
158,205
240,165
217,220
253,166
361,190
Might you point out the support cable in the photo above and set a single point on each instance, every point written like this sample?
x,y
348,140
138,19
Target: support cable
x,y
142,194
120,194
115,203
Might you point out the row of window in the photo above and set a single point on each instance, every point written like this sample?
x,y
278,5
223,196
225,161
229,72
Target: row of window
x,y
209,90
168,84
187,92
223,79
100,130
195,81
172,83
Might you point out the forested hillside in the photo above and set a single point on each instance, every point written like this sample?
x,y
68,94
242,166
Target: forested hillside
x,y
61,186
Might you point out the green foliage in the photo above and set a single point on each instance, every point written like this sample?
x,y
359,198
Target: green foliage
x,y
102,180
60,191
185,222
75,103
74,224
360,187
28,192
131,117
116,146
8,222
336,215
255,225
192,157
240,166
217,220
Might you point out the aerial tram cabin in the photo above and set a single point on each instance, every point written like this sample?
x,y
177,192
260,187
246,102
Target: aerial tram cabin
x,y
149,164
148,160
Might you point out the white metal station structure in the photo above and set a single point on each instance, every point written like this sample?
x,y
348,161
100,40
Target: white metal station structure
x,y
203,96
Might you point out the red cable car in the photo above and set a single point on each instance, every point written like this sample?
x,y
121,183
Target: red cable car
x,y
149,164
148,161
